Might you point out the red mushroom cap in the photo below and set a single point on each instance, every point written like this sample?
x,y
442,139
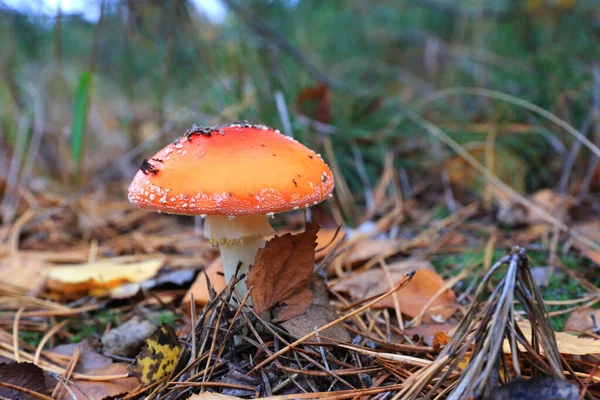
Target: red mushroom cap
x,y
237,169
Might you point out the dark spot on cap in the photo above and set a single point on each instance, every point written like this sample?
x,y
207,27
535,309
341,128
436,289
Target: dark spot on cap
x,y
198,130
229,194
274,155
157,160
148,168
309,156
295,183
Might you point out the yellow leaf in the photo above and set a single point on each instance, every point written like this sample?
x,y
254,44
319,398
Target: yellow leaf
x,y
567,343
158,357
100,277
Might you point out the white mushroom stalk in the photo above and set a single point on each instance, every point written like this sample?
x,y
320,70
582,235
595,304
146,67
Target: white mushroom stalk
x,y
239,239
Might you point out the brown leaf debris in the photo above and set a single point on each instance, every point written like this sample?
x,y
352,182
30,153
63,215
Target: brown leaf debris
x,y
282,273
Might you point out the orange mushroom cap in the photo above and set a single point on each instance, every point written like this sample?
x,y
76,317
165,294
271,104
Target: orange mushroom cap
x,y
237,169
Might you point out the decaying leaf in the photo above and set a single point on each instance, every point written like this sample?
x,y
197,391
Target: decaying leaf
x,y
98,278
282,273
412,298
199,288
159,356
582,320
24,375
317,315
86,389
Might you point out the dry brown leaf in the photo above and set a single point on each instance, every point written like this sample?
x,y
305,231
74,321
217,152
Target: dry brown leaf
x,y
23,273
317,315
440,339
567,343
581,320
24,375
327,240
212,396
367,249
84,389
551,202
199,288
513,214
98,278
591,230
411,298
315,102
282,273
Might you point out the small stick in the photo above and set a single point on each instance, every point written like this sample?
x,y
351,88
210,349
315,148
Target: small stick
x,y
25,390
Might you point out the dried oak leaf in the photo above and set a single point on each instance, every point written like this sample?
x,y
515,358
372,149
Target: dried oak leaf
x,y
159,356
412,298
24,375
282,273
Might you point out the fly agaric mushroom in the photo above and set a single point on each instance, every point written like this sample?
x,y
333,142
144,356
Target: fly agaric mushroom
x,y
237,176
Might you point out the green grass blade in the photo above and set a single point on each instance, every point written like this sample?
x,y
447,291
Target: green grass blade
x,y
80,110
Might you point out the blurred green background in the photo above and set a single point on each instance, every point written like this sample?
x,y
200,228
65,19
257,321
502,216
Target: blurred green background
x,y
83,97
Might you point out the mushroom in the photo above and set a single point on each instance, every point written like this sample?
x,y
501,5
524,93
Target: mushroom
x,y
237,176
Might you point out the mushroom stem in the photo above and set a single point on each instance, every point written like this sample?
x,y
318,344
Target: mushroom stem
x,y
239,239
234,253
